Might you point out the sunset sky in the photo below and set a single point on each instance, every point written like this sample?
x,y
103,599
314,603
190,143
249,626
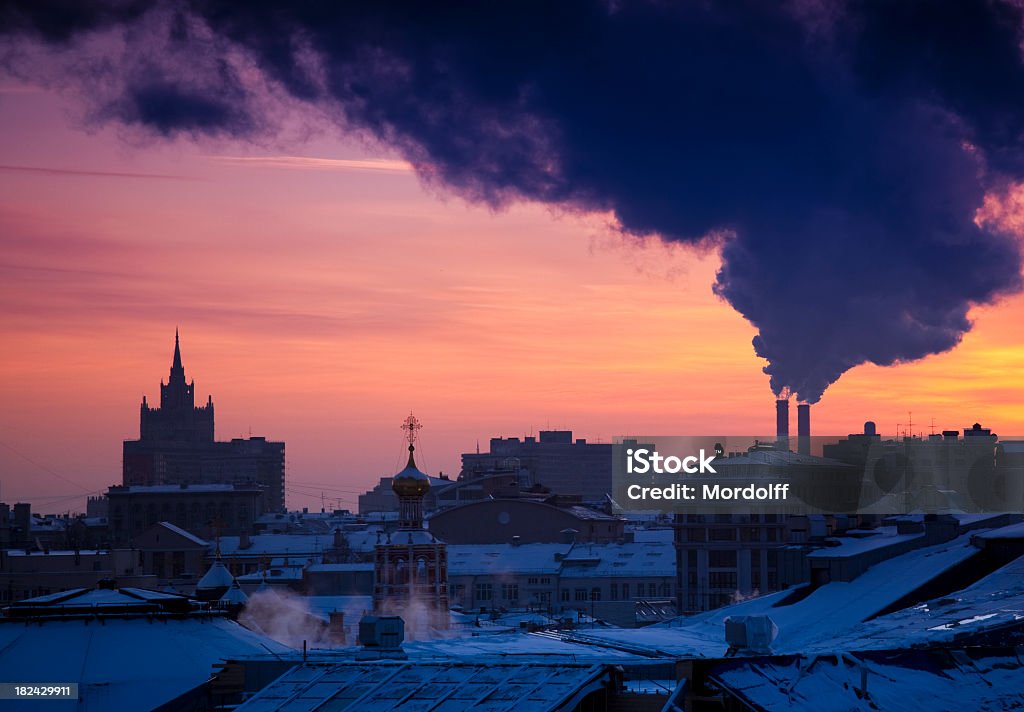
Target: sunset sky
x,y
322,292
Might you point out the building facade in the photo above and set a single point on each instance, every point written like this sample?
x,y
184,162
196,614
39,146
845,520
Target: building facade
x,y
554,461
206,510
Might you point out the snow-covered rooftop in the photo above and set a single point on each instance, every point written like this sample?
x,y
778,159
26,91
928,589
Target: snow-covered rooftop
x,y
932,681
277,544
128,662
440,686
880,538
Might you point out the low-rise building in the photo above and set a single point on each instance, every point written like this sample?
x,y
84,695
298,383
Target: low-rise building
x,y
205,510
496,521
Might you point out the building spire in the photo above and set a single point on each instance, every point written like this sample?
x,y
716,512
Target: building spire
x,y
176,365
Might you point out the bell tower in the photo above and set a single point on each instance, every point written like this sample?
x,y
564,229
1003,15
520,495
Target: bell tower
x,y
410,564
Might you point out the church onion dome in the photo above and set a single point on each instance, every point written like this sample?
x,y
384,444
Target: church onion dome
x,y
216,577
410,482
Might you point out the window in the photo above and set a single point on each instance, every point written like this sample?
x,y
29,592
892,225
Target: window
x,y
483,592
510,591
722,558
565,594
532,581
722,534
595,594
625,591
722,579
581,594
615,592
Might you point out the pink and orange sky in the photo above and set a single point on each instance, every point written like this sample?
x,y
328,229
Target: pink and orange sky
x,y
322,292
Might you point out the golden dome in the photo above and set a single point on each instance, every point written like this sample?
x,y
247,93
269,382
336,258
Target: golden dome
x,y
410,482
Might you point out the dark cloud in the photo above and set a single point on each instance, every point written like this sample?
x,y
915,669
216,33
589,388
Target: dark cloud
x,y
843,149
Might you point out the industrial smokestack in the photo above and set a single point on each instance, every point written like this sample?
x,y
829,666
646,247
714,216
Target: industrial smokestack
x,y
782,422
803,428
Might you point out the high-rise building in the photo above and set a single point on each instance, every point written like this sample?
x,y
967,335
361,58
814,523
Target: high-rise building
x,y
176,446
554,461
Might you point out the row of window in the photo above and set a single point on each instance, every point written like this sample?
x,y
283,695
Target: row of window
x,y
510,592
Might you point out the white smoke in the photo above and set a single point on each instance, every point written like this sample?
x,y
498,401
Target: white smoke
x,y
285,617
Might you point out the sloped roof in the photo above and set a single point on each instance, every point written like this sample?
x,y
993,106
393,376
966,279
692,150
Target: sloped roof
x,y
217,576
439,686
128,662
183,533
99,601
929,681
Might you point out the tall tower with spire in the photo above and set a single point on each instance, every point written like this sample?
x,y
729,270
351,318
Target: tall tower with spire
x,y
410,564
176,446
177,419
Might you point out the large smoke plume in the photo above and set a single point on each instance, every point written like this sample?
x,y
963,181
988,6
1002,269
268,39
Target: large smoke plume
x,y
837,152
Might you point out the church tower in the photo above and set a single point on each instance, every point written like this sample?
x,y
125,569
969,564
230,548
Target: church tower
x,y
410,565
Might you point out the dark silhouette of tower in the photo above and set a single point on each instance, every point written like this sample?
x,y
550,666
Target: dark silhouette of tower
x,y
176,446
782,422
803,428
177,419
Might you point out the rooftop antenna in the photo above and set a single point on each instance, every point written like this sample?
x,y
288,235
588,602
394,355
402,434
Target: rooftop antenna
x,y
932,432
910,425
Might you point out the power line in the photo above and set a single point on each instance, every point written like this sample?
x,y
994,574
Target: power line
x,y
44,468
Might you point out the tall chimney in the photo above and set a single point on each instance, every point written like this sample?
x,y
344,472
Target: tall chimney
x,y
803,428
782,422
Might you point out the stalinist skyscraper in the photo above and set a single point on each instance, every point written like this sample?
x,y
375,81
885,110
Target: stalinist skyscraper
x,y
176,445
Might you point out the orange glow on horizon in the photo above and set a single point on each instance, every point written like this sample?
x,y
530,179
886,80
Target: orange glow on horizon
x,y
318,306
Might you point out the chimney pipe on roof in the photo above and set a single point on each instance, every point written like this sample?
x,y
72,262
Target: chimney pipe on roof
x,y
803,428
782,422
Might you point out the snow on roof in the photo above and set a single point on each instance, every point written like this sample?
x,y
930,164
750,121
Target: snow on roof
x,y
994,602
181,532
881,538
99,601
217,576
831,610
297,545
480,559
526,646
234,596
627,559
442,686
932,681
128,662
1011,531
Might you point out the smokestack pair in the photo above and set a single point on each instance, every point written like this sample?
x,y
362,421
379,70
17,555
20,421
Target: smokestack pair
x,y
803,425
